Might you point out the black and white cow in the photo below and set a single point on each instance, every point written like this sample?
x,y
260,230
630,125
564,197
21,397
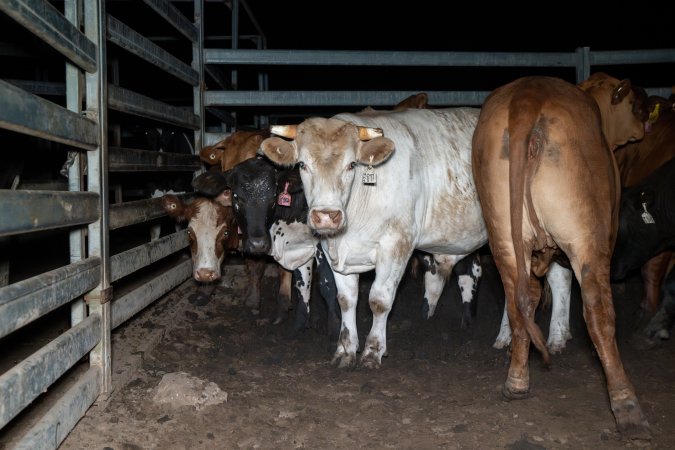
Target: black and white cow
x,y
271,211
380,185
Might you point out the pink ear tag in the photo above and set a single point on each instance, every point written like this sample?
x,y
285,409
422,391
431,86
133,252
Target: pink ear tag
x,y
284,198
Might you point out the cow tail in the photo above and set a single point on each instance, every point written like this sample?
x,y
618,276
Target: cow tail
x,y
523,114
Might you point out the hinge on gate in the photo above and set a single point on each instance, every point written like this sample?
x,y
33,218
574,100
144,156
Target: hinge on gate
x,y
102,296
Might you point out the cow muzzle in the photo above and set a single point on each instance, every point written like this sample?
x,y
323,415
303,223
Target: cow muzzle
x,y
257,245
326,221
206,275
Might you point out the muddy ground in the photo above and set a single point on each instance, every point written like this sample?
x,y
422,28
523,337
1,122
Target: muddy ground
x,y
438,387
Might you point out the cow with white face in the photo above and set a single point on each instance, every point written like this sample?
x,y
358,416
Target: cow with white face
x,y
212,232
378,186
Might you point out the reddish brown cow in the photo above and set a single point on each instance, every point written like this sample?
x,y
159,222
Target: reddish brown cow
x,y
637,161
549,185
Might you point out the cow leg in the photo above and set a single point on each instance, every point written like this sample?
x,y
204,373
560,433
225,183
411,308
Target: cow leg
x,y
437,269
348,342
468,285
653,272
591,267
328,291
504,336
660,324
388,274
284,296
560,281
255,268
302,277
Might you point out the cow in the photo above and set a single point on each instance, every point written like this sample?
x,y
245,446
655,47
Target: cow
x,y
235,148
271,211
636,161
549,190
646,221
379,186
212,232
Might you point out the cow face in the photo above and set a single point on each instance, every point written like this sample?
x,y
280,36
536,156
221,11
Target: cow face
x,y
622,108
327,151
232,150
211,231
253,185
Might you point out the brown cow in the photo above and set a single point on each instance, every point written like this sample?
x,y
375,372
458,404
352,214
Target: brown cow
x,y
548,183
638,160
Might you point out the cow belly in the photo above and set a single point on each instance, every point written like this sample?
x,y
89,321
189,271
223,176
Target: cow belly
x,y
292,244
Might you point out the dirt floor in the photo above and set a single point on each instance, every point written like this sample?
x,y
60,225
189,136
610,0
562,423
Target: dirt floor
x,y
246,383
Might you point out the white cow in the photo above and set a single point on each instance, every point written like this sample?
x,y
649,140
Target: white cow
x,y
375,199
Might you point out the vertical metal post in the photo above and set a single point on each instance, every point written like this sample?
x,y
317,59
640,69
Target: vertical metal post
x,y
97,179
198,65
74,93
583,63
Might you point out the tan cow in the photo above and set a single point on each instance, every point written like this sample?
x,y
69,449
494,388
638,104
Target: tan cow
x,y
549,186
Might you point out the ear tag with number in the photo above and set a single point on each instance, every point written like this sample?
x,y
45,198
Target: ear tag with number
x,y
369,176
646,216
284,198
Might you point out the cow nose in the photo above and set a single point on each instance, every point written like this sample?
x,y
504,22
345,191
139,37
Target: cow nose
x,y
258,245
326,218
206,275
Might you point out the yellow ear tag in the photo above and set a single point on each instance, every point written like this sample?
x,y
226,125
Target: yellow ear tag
x,y
654,115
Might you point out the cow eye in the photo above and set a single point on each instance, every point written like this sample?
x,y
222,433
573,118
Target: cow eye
x,y
226,233
352,165
301,164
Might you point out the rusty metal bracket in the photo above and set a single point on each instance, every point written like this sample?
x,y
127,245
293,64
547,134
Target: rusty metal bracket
x,y
102,296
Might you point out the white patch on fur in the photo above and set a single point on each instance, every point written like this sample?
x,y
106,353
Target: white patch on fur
x,y
504,338
296,247
204,224
466,283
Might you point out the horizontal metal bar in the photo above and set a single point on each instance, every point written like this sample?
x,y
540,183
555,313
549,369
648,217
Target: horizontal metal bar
x,y
214,138
599,58
136,43
23,383
53,427
30,299
130,213
336,98
127,306
125,263
127,101
664,92
25,211
40,87
172,15
387,58
29,114
47,23
134,160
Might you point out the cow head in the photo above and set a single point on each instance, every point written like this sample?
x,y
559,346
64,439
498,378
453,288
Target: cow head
x,y
252,184
211,230
622,108
327,151
237,147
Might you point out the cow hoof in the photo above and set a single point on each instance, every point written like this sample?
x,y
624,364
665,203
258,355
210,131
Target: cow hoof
x,y
501,343
344,360
630,421
427,311
511,394
370,361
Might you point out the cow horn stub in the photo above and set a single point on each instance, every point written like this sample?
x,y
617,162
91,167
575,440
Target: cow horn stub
x,y
287,131
366,133
621,91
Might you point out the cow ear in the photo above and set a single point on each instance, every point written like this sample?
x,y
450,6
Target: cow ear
x,y
211,155
210,183
174,207
375,151
280,151
621,91
224,198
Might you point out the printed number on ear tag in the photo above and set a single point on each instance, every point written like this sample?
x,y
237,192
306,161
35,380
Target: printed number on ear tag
x,y
369,176
646,216
284,198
